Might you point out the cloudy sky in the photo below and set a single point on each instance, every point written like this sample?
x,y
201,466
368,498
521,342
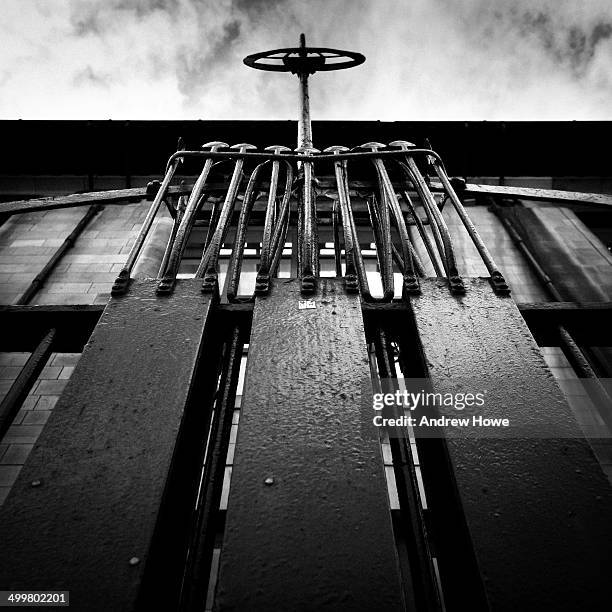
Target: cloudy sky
x,y
426,59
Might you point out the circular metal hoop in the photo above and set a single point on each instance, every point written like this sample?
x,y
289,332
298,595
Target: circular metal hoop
x,y
306,60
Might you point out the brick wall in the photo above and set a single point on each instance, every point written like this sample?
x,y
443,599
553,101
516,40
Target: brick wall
x,y
35,410
86,272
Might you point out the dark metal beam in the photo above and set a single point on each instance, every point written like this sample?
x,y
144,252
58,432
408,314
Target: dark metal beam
x,y
84,511
308,523
22,326
533,504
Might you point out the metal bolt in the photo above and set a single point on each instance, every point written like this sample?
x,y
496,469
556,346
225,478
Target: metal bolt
x,y
374,146
402,144
215,145
243,147
134,561
336,149
36,483
307,150
277,149
269,481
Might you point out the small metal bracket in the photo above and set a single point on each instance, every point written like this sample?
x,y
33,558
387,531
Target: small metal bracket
x,y
456,285
121,284
308,284
410,286
152,188
498,282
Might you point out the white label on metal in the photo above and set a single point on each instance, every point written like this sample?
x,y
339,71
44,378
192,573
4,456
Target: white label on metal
x,y
306,304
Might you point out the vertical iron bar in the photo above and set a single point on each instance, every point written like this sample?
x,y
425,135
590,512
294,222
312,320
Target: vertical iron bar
x,y
304,123
235,263
309,257
355,275
336,238
199,554
422,573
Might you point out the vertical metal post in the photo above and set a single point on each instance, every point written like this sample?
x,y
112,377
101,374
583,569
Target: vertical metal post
x,y
304,123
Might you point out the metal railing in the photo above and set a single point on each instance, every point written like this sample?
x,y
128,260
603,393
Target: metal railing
x,y
399,188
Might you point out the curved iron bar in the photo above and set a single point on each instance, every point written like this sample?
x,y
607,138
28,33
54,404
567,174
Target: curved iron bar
x,y
384,252
123,278
431,251
409,262
166,285
355,275
497,279
433,223
381,221
455,282
235,263
213,219
424,235
271,208
207,269
180,211
278,249
271,241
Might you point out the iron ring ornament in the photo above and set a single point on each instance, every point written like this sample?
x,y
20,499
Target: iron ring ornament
x,y
304,60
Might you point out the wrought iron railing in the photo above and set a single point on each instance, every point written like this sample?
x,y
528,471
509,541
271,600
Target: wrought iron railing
x,y
280,175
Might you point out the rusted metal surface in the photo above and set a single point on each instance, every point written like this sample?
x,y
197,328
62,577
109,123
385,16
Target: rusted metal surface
x,y
537,509
79,199
104,456
533,193
308,523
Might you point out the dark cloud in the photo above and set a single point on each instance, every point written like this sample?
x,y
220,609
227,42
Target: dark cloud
x,y
88,76
196,65
500,59
570,44
257,9
98,16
